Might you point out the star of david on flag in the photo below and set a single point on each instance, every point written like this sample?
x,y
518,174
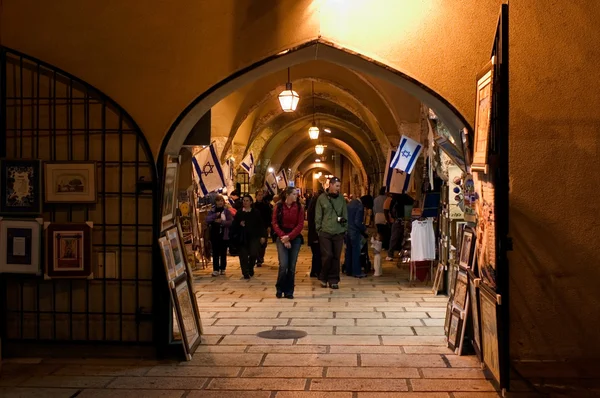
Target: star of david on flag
x,y
271,183
248,164
207,171
282,181
395,180
407,154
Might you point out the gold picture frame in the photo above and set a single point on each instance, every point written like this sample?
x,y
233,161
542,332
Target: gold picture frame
x,y
169,193
483,117
187,316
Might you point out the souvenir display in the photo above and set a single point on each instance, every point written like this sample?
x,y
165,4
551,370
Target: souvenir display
x,y
20,242
169,200
68,250
483,115
187,317
20,187
70,182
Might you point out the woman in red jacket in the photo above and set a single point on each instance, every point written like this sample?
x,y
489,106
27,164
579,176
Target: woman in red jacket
x,y
288,221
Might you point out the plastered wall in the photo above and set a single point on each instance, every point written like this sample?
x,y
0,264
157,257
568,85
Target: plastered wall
x,y
155,57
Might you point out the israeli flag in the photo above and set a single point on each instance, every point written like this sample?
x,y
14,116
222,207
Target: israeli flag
x,y
407,154
282,181
248,164
208,173
271,183
395,180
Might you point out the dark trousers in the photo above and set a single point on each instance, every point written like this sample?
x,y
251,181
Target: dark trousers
x,y
261,254
219,249
287,266
397,237
352,259
248,253
331,250
315,269
384,231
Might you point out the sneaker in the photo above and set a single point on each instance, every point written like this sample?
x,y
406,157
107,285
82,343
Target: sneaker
x,y
323,284
222,272
279,294
289,296
215,273
334,286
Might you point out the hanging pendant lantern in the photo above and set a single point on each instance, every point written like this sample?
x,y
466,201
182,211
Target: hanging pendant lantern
x,y
313,131
319,149
288,99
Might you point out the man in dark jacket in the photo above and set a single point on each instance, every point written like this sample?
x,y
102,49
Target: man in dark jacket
x,y
356,228
265,210
313,237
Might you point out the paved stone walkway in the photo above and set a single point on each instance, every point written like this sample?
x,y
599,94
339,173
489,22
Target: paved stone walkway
x,y
376,337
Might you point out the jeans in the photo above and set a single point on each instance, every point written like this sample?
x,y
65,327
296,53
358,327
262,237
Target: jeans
x,y
287,265
353,254
397,237
331,250
315,269
219,251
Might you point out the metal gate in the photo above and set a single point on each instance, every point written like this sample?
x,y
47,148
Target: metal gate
x,y
50,115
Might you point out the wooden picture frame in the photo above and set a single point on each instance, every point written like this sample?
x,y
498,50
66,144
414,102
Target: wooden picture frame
x,y
467,247
461,288
474,301
490,347
177,250
454,329
187,317
448,316
437,281
70,182
69,250
21,187
483,117
20,246
169,193
463,327
167,256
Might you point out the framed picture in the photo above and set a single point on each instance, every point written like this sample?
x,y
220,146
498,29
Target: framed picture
x,y
187,317
461,288
168,260
69,250
489,330
437,281
474,301
20,187
70,182
467,248
454,329
177,250
169,199
20,242
448,316
483,117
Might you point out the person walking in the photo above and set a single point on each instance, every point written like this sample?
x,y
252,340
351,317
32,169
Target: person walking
x,y
356,229
219,220
397,216
265,210
331,223
313,237
287,222
249,233
381,222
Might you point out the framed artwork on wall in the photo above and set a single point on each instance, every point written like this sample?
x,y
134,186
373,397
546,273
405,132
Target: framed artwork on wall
x,y
187,317
20,244
70,182
20,187
474,301
177,250
169,199
489,330
467,248
483,117
69,250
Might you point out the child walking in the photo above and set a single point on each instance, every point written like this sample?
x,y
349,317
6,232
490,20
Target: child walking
x,y
377,245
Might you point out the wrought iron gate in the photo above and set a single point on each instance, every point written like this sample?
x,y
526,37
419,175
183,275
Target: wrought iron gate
x,y
50,115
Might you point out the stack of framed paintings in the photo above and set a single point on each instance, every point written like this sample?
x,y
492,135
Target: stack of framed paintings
x,y
177,267
25,186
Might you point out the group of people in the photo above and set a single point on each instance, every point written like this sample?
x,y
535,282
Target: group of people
x,y
333,219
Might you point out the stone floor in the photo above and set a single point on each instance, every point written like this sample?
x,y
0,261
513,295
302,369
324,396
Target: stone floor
x,y
376,337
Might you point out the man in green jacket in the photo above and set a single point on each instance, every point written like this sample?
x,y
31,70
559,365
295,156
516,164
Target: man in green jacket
x,y
331,221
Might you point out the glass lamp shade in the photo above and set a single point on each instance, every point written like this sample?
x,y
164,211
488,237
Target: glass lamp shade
x,y
288,99
313,132
319,149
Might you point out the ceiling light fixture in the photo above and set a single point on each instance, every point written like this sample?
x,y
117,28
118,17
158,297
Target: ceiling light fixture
x,y
288,99
313,131
319,149
317,160
327,130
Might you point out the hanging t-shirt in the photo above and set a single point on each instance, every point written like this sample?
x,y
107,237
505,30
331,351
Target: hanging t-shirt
x,y
422,240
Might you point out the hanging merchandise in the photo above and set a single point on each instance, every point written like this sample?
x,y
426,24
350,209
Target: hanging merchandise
x,y
470,198
422,239
456,194
407,154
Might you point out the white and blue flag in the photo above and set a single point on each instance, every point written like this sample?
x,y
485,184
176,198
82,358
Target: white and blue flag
x,y
282,181
248,164
406,155
395,180
208,173
271,183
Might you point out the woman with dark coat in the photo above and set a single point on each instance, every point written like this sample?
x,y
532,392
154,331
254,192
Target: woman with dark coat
x,y
313,237
219,220
249,233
